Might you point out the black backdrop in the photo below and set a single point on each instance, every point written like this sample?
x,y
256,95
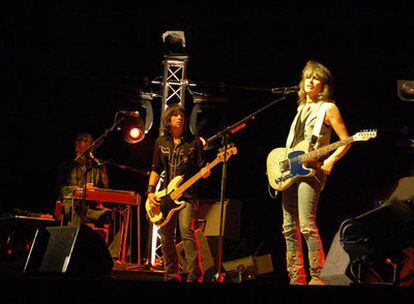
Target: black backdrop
x,y
67,68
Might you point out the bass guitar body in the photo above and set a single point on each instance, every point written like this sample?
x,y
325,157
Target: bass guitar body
x,y
161,214
169,197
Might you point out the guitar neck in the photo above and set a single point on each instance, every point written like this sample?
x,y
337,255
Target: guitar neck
x,y
180,190
324,150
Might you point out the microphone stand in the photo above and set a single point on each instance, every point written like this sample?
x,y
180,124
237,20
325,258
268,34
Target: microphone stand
x,y
128,168
224,135
88,163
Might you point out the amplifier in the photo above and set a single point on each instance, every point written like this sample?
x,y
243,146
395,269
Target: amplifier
x,y
209,213
17,232
248,268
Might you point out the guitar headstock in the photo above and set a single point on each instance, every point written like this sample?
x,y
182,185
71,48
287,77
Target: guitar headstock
x,y
365,135
230,150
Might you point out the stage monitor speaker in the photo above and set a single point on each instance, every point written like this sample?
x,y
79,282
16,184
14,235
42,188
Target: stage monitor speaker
x,y
367,248
403,191
70,251
380,233
17,233
340,270
209,212
336,268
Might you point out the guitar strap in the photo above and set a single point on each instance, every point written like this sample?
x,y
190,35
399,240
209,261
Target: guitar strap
x,y
318,124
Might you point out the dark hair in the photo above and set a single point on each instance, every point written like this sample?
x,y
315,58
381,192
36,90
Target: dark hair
x,y
166,117
84,137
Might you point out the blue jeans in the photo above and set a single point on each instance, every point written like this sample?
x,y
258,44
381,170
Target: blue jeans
x,y
185,219
299,204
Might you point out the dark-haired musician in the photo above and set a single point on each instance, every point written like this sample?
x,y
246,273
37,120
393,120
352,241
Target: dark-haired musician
x,y
176,153
72,174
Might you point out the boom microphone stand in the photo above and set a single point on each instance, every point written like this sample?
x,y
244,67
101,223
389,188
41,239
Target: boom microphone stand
x,y
224,135
127,168
88,156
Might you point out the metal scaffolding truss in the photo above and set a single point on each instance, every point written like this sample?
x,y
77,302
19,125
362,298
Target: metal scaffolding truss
x,y
175,81
174,86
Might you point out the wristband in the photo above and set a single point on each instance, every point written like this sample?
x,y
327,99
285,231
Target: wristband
x,y
150,189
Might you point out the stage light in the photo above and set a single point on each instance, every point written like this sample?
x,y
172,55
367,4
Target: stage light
x,y
405,89
174,43
145,108
208,114
203,140
131,126
135,134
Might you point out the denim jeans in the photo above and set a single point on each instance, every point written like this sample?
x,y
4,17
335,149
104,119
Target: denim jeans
x,y
299,204
185,219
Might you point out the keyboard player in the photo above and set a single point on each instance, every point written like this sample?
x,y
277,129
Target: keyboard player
x,y
72,174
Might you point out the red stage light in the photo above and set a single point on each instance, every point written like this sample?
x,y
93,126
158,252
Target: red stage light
x,y
132,126
135,134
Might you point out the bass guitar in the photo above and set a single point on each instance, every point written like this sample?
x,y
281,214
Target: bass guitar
x,y
285,165
169,197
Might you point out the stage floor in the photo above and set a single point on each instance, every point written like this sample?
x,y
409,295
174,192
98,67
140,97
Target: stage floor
x,y
129,284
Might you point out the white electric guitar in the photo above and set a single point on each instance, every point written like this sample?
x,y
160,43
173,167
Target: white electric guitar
x,y
284,165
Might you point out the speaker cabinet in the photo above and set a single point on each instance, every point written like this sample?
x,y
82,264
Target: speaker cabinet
x,y
209,252
70,251
209,212
248,268
208,234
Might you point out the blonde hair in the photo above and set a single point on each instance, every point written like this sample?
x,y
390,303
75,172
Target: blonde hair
x,y
323,74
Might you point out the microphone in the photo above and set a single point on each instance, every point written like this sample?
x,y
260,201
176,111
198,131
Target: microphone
x,y
95,160
284,90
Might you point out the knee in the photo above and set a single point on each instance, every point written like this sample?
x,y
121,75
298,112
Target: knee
x,y
187,232
289,230
308,230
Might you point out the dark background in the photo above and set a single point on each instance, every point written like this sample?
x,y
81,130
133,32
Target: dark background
x,y
67,68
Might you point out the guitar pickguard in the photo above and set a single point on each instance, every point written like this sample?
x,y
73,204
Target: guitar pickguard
x,y
291,168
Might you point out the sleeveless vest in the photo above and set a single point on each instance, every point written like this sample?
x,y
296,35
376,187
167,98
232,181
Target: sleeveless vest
x,y
324,137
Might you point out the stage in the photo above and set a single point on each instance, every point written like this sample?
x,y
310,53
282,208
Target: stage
x,y
139,286
72,68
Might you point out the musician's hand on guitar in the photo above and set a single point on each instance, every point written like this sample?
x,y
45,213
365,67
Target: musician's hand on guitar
x,y
155,202
205,172
327,166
